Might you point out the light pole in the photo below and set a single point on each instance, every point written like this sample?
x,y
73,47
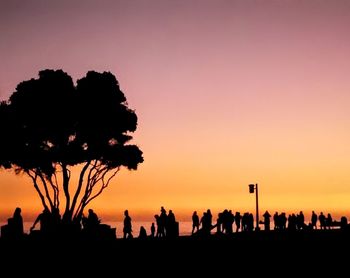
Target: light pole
x,y
251,190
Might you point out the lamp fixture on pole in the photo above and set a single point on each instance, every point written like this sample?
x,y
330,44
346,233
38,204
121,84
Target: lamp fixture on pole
x,y
253,187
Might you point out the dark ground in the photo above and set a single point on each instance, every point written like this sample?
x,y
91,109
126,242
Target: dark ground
x,y
279,254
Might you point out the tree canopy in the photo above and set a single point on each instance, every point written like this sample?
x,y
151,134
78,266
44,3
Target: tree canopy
x,y
49,124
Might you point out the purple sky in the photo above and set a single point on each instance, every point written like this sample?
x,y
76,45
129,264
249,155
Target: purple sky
x,y
231,91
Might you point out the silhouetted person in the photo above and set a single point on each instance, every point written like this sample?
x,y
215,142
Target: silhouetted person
x,y
250,222
314,220
44,219
228,221
195,222
171,217
283,220
206,222
91,222
209,220
127,230
15,224
301,221
163,218
162,210
160,226
245,221
276,221
219,223
238,219
322,220
153,230
267,220
343,223
292,222
329,221
143,233
172,229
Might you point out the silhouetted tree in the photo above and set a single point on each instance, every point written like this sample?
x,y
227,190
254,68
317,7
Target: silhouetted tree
x,y
51,128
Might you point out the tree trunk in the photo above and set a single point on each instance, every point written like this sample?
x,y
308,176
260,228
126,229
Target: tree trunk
x,y
67,216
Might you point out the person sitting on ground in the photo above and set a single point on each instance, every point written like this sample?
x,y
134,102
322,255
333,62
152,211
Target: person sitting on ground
x,y
16,223
92,221
44,219
143,233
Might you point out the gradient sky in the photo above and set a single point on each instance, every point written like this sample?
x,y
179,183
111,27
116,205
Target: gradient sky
x,y
227,93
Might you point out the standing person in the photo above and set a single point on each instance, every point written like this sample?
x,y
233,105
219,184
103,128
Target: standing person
x,y
322,220
127,230
314,220
160,227
276,221
238,219
171,227
301,221
267,220
153,230
163,220
329,221
195,222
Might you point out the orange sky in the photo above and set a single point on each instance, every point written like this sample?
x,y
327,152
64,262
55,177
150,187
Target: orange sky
x,y
227,93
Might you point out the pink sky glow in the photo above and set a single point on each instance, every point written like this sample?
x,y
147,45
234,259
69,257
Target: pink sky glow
x,y
227,93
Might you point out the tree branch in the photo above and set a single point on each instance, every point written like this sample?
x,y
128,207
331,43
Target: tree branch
x,y
96,174
47,193
80,184
58,190
96,178
55,189
65,184
79,210
34,178
104,184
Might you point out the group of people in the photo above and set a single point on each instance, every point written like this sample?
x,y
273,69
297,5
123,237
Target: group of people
x,y
49,223
224,222
297,221
167,226
226,219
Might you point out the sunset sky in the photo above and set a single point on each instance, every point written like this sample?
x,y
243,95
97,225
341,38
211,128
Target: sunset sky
x,y
227,93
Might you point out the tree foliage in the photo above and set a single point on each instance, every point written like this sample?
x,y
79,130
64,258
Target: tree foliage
x,y
49,125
